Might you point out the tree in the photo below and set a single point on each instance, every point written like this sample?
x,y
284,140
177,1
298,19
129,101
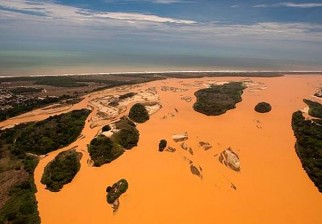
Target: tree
x,y
138,113
162,145
263,107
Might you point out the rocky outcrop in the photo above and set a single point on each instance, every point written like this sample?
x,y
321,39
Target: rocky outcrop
x,y
195,171
318,94
230,159
186,98
172,89
115,205
170,149
90,162
180,137
205,145
184,146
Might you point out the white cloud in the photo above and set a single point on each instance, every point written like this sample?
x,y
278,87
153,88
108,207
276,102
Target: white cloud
x,y
290,4
151,1
74,14
132,17
164,1
33,18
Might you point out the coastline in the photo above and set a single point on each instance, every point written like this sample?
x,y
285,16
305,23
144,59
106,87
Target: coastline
x,y
295,72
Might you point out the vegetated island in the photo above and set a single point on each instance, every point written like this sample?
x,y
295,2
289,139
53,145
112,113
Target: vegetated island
x,y
104,150
218,99
263,107
162,145
308,133
61,170
127,135
315,109
115,191
18,146
138,113
50,134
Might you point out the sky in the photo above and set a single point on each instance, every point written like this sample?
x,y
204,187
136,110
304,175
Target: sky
x,y
53,37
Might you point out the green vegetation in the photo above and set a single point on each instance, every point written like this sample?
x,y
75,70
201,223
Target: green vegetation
x,y
218,99
308,146
106,128
60,81
22,205
29,105
17,190
315,108
24,90
50,134
263,107
116,190
162,145
138,113
124,123
102,150
61,170
128,136
126,95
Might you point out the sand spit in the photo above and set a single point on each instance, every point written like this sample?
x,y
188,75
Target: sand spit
x,y
272,187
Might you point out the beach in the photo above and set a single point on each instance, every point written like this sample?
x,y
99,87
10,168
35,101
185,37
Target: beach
x,y
271,186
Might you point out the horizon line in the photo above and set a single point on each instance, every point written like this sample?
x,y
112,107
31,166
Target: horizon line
x,y
167,72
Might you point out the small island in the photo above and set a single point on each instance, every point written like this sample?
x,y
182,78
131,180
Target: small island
x,y
218,99
127,135
263,107
115,191
162,145
61,170
138,113
315,108
104,149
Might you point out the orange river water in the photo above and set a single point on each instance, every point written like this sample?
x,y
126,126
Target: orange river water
x,y
271,187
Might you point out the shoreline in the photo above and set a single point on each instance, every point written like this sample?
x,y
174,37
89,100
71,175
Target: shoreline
x,y
295,72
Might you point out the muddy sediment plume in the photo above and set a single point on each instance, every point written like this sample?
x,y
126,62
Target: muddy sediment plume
x,y
154,177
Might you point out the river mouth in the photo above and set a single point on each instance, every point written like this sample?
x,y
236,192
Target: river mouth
x,y
271,186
